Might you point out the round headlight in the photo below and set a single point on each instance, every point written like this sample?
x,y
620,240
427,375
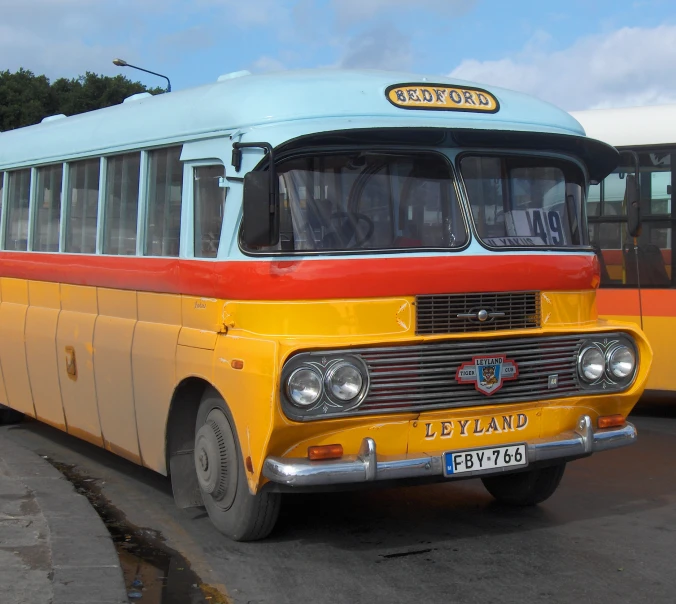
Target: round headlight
x,y
591,364
304,387
621,361
345,382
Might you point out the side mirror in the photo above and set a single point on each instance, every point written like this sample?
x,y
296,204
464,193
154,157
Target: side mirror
x,y
260,222
633,206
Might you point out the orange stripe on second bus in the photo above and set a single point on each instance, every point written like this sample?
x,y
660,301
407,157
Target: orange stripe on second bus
x,y
618,302
625,302
658,302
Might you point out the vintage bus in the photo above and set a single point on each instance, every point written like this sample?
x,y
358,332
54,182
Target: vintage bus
x,y
638,280
310,280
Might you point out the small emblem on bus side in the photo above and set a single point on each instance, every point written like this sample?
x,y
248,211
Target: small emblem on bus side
x,y
71,363
488,373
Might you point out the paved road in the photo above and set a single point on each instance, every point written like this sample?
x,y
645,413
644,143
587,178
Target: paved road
x,y
607,536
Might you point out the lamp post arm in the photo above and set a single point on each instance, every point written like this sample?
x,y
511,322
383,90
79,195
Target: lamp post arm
x,y
152,73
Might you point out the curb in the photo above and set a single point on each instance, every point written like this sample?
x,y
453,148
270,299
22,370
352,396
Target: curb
x,y
85,564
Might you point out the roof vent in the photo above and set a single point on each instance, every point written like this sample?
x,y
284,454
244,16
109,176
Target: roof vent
x,y
137,97
233,75
52,118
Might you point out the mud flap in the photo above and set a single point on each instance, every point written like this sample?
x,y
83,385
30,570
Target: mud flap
x,y
184,483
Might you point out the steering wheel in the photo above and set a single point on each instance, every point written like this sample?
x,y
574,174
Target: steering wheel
x,y
348,224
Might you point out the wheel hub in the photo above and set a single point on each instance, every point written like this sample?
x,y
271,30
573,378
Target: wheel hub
x,y
212,462
204,461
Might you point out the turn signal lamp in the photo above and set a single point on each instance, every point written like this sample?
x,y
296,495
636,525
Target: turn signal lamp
x,y
324,452
610,421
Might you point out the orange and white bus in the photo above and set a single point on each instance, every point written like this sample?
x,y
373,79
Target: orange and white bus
x,y
310,280
638,280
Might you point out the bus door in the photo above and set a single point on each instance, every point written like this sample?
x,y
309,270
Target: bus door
x,y
653,255
618,297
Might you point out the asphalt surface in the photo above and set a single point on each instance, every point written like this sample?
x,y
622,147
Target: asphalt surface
x,y
607,536
54,548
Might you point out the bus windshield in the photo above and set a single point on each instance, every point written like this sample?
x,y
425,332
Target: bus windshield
x,y
368,201
525,201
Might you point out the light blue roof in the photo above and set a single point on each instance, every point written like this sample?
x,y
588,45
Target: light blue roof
x,y
328,99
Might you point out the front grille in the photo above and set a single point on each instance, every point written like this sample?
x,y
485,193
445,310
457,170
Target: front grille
x,y
439,314
423,376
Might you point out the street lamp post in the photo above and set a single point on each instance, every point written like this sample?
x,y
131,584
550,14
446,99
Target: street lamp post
x,y
122,63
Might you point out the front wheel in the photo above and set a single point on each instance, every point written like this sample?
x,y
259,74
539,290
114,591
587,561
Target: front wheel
x,y
525,488
232,508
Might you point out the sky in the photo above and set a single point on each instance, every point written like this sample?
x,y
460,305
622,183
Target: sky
x,y
577,54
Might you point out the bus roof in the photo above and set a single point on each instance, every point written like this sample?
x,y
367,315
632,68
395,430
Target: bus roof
x,y
630,126
239,103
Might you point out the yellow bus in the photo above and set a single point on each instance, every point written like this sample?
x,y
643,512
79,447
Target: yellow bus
x,y
310,280
638,280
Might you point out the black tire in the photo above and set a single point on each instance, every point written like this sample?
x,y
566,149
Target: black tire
x,y
232,508
525,488
9,416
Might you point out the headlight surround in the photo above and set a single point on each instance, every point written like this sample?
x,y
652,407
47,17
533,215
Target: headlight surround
x,y
344,381
304,387
607,363
621,362
344,385
591,364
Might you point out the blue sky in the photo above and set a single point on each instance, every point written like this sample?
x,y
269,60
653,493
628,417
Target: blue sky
x,y
575,53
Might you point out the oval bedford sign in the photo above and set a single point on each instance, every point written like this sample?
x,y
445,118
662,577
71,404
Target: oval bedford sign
x,y
441,97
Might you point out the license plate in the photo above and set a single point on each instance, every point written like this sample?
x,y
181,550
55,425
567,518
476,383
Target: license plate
x,y
486,458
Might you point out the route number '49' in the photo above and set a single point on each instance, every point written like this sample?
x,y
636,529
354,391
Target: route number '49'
x,y
543,226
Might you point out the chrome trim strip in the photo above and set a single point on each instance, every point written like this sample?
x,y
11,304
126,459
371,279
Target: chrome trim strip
x,y
366,466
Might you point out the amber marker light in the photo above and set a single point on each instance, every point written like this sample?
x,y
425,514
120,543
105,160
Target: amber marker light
x,y
610,421
325,452
237,364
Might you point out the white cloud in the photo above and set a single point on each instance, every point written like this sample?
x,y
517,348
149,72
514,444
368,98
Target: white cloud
x,y
267,64
243,13
629,66
53,36
184,41
354,11
382,47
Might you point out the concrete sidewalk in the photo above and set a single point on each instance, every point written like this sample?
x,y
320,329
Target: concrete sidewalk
x,y
54,548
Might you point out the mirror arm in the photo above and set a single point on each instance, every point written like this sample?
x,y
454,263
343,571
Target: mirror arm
x,y
267,147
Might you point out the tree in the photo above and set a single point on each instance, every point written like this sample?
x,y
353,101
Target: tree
x,y
26,99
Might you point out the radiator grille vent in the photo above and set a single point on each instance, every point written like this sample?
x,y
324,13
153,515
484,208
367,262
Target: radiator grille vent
x,y
423,376
451,313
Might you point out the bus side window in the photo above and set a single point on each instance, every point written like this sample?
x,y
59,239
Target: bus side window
x,y
165,188
2,192
608,228
18,199
121,205
48,209
82,206
209,206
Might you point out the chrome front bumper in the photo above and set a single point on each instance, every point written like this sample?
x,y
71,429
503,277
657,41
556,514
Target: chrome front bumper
x,y
366,466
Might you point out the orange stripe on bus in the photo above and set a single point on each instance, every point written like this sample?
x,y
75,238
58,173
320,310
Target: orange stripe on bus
x,y
310,279
658,302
